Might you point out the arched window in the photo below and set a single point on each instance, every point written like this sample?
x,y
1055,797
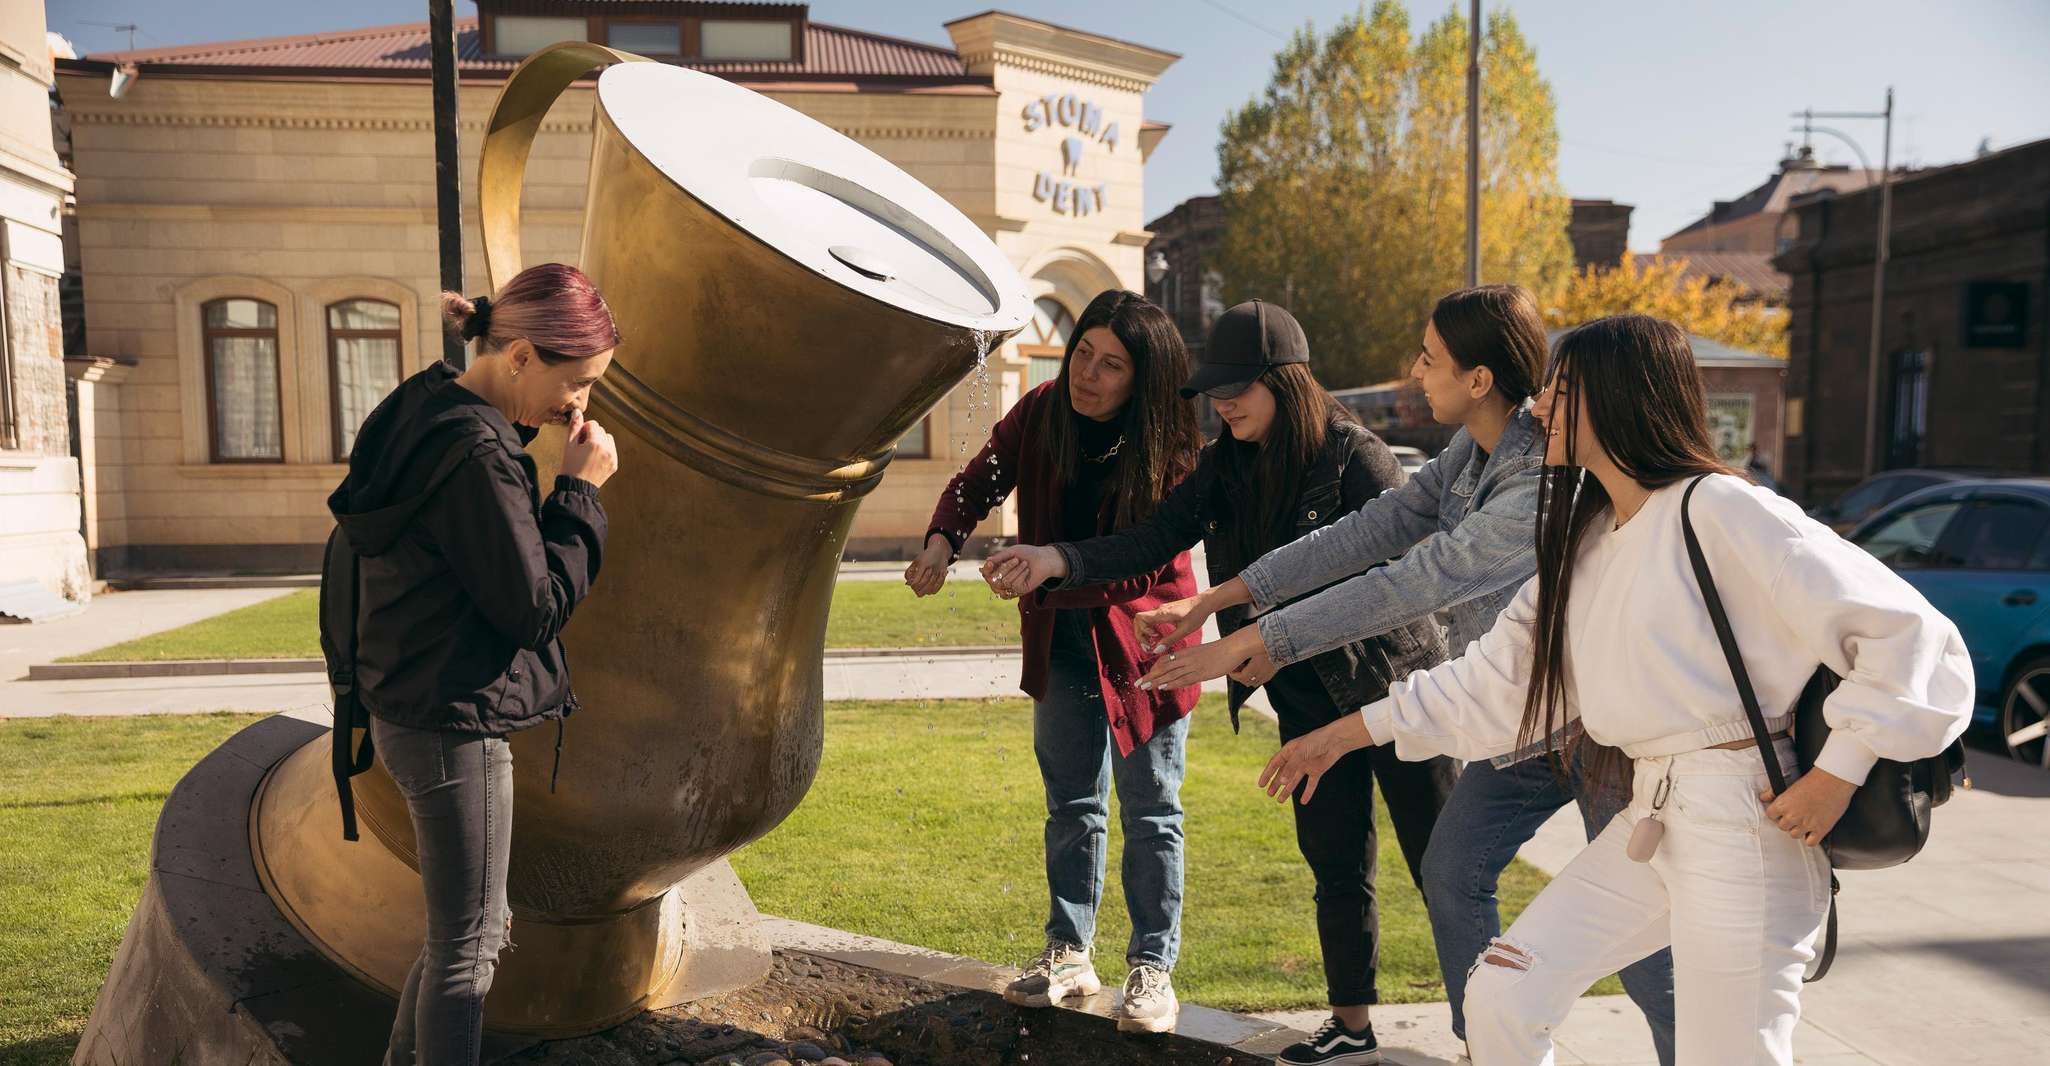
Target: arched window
x,y
239,338
1044,341
363,363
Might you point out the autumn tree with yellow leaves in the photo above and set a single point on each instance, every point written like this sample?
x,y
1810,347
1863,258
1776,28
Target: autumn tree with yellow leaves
x,y
1344,191
1719,311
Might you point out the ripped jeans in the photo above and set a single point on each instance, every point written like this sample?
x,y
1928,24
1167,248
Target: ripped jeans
x,y
1740,902
459,790
1079,764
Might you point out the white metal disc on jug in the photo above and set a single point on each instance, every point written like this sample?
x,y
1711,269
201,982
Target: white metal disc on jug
x,y
811,193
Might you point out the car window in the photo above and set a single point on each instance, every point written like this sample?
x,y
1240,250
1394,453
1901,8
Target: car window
x,y
1908,540
1998,533
1867,498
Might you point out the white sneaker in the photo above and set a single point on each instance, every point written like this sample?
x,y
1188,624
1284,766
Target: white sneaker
x,y
1062,970
1149,1005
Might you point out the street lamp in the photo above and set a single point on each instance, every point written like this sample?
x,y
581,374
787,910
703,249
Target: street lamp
x,y
1879,257
1156,267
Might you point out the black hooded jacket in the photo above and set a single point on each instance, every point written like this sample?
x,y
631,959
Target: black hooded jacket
x,y
468,576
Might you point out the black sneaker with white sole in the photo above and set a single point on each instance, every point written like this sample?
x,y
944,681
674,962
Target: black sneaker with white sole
x,y
1334,1045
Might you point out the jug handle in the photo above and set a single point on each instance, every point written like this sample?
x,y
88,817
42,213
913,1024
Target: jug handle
x,y
509,136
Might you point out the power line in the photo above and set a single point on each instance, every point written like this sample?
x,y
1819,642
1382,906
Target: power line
x,y
1268,30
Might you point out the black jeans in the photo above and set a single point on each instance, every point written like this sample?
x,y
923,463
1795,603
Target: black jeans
x,y
1335,832
459,789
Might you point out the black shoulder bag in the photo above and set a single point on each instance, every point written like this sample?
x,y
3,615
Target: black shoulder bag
x,y
1887,821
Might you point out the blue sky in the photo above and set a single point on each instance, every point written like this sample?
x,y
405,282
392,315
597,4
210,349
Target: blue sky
x,y
1664,104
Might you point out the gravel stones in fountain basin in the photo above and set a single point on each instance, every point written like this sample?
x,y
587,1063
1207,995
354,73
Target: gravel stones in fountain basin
x,y
815,1011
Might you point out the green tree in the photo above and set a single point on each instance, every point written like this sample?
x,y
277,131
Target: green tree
x,y
1718,311
1344,189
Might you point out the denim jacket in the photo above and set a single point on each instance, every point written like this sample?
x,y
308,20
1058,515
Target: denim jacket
x,y
1464,526
1354,468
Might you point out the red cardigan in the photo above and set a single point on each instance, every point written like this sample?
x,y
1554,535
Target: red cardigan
x,y
1016,456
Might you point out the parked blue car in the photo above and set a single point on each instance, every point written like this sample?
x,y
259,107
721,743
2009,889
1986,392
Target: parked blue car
x,y
1980,551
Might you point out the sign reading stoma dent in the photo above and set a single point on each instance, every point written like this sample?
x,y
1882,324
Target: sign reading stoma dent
x,y
1085,118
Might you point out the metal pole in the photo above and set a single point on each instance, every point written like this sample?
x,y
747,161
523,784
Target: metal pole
x,y
1879,290
1473,146
448,186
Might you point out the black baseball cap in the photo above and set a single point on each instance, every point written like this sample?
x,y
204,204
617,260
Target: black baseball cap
x,y
1244,342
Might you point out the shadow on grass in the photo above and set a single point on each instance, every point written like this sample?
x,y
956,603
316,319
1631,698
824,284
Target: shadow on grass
x,y
45,1051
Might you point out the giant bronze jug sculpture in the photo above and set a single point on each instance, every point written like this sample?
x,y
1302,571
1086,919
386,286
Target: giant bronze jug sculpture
x,y
791,304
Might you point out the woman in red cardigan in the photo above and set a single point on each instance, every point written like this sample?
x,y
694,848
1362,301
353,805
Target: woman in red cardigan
x,y
1089,453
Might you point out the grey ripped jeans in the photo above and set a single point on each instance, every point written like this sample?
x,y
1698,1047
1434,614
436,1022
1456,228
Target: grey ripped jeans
x,y
459,789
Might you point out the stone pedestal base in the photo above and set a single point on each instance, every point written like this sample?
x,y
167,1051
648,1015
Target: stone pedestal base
x,y
211,970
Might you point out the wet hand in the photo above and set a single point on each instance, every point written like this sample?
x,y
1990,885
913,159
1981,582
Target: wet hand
x,y
1811,807
1304,760
1017,570
589,452
928,571
1193,666
1162,627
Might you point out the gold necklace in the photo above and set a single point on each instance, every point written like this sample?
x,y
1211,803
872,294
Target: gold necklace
x,y
1106,456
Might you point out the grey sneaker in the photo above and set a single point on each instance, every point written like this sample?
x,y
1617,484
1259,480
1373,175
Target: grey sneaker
x,y
1062,970
1149,1005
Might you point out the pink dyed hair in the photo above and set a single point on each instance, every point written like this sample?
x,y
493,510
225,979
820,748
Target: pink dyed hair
x,y
552,306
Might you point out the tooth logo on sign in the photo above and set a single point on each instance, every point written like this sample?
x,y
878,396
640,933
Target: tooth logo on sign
x,y
1084,117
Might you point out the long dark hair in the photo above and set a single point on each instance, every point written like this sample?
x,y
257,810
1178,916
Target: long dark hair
x,y
1161,435
1261,481
1498,327
1634,376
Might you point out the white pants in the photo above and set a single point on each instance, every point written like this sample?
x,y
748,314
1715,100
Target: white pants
x,y
1740,902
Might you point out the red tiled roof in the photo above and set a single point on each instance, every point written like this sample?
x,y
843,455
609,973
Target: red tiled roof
x,y
829,52
1752,270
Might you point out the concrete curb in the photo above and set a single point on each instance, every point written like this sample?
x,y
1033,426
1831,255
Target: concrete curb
x,y
231,667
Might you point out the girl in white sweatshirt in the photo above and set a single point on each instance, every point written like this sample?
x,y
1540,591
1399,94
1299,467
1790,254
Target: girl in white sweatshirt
x,y
1611,642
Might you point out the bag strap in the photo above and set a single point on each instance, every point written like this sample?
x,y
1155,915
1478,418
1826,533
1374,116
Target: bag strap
x,y
347,573
1729,642
1749,696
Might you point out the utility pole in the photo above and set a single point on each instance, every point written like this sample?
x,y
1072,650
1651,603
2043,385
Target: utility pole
x,y
1873,410
448,185
1473,146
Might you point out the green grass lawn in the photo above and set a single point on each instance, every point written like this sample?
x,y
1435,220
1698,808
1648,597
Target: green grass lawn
x,y
78,803
884,844
866,614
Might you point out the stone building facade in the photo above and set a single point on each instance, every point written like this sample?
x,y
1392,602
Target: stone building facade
x,y
257,235
1964,378
40,538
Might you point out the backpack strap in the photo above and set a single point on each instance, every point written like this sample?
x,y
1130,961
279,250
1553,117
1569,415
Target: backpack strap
x,y
1749,696
343,579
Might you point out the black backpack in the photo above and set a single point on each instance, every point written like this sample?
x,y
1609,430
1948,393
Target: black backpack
x,y
1887,821
341,587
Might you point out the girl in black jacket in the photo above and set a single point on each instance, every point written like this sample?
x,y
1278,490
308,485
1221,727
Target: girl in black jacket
x,y
467,577
1291,460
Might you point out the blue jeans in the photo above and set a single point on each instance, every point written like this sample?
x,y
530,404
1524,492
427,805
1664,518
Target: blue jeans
x,y
1078,763
1492,813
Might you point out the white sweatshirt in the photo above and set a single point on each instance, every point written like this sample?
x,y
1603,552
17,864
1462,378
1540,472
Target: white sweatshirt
x,y
1646,674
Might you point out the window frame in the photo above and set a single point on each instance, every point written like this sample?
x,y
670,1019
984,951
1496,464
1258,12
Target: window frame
x,y
925,452
396,334
207,335
686,35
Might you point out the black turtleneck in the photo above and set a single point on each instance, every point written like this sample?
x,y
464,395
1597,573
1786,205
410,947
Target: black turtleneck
x,y
1082,499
